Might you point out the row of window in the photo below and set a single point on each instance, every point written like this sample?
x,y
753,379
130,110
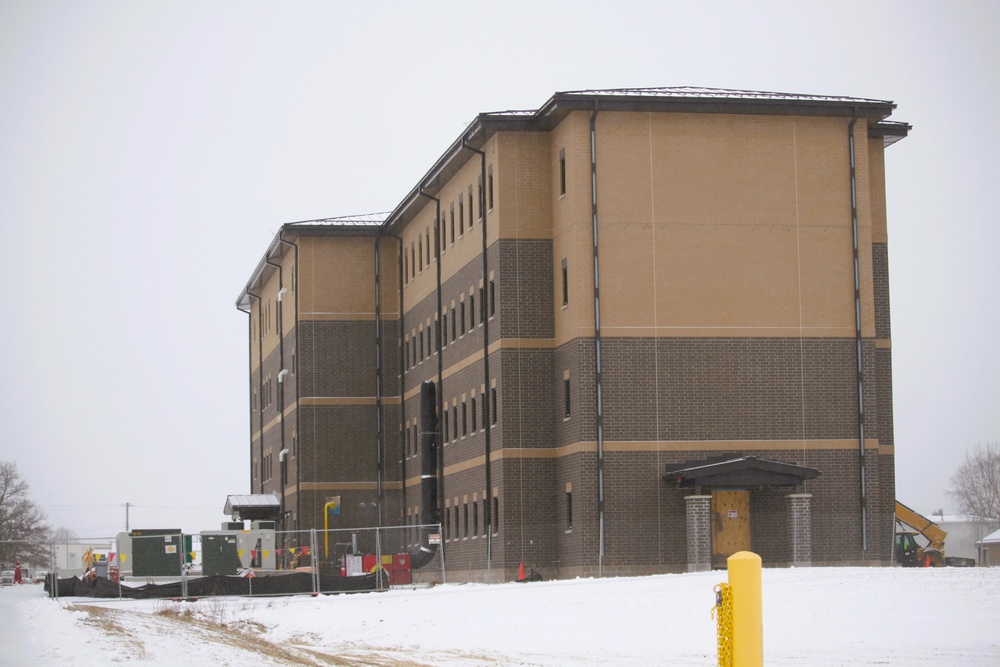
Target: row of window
x,y
462,318
449,229
463,418
460,521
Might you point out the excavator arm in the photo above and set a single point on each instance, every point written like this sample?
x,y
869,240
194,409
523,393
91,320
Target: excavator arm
x,y
931,531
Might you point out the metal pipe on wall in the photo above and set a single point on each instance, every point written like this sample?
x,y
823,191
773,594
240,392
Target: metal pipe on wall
x,y
598,371
858,339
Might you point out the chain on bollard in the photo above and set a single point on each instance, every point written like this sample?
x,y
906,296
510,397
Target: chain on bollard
x,y
722,612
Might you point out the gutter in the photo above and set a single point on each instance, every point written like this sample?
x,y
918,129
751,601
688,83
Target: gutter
x,y
298,429
598,370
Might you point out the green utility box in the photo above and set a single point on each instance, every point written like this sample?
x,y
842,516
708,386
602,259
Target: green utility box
x,y
157,553
219,554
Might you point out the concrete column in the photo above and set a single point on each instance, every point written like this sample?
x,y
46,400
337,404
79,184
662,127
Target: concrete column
x,y
699,533
800,528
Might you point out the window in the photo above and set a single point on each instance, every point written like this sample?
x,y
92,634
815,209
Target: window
x,y
565,284
444,435
456,518
479,192
413,261
566,397
441,234
493,405
427,245
569,508
406,353
406,269
453,225
444,329
473,401
489,188
465,520
472,312
461,229
453,325
461,211
454,420
421,357
475,518
470,207
493,297
482,307
420,252
461,310
496,515
447,522
562,171
465,420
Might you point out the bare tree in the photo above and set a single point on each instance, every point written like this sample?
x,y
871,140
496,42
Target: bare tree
x,y
976,485
23,527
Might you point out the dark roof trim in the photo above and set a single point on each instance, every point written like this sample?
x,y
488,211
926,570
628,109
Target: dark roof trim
x,y
891,131
747,471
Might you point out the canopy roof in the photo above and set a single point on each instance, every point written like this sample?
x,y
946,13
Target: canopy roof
x,y
743,472
253,507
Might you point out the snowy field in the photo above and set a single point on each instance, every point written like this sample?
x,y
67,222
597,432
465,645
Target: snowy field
x,y
812,617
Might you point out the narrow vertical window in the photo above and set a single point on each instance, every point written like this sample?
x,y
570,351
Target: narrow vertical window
x,y
569,507
475,518
496,515
413,261
493,405
447,523
470,207
461,211
479,195
406,268
465,520
461,229
444,435
421,357
453,325
453,225
562,171
472,312
442,234
482,307
489,188
420,253
493,297
474,415
454,419
427,245
465,420
444,329
565,283
566,396
461,310
485,527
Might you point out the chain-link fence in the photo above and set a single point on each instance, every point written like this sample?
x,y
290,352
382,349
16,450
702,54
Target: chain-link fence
x,y
171,564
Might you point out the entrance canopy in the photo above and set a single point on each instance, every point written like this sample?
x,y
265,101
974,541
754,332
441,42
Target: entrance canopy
x,y
736,473
255,507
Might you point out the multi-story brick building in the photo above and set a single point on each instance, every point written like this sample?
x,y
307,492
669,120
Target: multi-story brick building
x,y
658,321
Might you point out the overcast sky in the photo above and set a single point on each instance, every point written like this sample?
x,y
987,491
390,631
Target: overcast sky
x,y
149,151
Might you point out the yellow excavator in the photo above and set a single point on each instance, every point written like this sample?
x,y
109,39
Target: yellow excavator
x,y
908,552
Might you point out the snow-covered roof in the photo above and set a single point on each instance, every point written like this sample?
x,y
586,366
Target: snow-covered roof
x,y
992,538
717,93
373,219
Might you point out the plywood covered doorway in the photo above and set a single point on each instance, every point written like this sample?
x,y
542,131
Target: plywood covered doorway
x,y
730,524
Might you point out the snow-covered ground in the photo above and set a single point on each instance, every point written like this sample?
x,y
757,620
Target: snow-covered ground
x,y
812,616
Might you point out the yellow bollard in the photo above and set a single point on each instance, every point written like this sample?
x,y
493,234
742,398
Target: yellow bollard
x,y
748,625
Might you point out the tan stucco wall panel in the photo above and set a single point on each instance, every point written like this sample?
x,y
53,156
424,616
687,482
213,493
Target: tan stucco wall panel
x,y
345,261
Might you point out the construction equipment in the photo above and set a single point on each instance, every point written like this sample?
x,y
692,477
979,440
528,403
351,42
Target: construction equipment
x,y
910,553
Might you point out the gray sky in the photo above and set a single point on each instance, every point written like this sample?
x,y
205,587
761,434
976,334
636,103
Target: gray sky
x,y
150,150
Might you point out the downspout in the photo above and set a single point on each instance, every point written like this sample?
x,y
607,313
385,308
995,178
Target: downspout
x,y
402,379
379,438
260,385
298,423
440,355
857,334
279,317
488,512
597,345
430,516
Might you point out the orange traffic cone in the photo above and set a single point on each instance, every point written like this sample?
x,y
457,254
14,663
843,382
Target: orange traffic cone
x,y
520,572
